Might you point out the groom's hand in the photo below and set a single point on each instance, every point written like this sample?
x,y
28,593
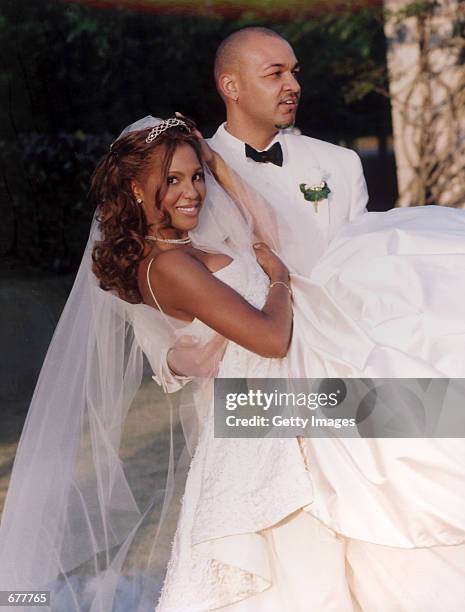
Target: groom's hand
x,y
270,262
207,152
188,357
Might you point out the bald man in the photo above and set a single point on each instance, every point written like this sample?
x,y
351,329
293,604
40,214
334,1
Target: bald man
x,y
256,73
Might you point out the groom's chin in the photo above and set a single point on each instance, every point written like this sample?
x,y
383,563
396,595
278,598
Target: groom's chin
x,y
285,125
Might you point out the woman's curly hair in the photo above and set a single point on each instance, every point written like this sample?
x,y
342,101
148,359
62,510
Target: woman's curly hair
x,y
122,221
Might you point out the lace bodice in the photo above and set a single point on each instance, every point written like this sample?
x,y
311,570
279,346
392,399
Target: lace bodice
x,y
244,276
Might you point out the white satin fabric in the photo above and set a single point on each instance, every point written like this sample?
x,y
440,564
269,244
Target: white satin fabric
x,y
386,300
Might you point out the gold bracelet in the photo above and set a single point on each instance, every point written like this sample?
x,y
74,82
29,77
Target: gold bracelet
x,y
281,283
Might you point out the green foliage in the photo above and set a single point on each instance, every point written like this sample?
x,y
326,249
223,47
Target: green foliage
x,y
69,68
417,8
48,176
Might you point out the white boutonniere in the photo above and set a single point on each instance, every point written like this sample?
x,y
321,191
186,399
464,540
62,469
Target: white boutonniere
x,y
316,189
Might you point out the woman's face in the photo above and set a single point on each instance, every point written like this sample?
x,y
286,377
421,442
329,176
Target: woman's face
x,y
184,191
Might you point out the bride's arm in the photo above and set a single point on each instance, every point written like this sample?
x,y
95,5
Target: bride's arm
x,y
184,287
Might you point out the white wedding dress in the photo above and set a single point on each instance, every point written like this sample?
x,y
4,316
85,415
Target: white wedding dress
x,y
218,557
274,525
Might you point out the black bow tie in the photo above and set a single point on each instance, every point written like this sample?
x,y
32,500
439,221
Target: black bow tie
x,y
273,155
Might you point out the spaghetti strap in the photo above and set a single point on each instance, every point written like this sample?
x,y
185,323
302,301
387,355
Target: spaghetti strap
x,y
153,295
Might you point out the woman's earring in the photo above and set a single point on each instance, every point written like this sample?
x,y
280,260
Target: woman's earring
x,y
139,200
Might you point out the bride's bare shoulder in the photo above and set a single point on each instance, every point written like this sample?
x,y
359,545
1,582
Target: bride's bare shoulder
x,y
175,264
173,276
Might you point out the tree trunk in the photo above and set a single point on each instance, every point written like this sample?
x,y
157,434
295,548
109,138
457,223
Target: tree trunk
x,y
426,52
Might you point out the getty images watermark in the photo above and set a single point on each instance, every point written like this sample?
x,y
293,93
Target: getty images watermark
x,y
349,407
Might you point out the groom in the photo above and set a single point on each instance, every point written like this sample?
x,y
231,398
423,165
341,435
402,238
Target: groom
x,y
256,73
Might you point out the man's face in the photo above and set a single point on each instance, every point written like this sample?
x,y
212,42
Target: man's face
x,y
268,90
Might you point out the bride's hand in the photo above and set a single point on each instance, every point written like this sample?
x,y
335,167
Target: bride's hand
x,y
207,152
270,262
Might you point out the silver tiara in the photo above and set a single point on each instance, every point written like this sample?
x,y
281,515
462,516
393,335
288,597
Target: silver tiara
x,y
166,124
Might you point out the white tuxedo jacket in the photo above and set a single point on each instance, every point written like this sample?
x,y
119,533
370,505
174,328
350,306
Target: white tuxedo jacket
x,y
302,158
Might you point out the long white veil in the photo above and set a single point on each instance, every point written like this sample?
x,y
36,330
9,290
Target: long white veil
x,y
95,489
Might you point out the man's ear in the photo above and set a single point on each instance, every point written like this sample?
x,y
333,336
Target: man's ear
x,y
229,87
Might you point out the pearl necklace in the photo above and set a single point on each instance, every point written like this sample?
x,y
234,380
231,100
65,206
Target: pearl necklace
x,y
170,240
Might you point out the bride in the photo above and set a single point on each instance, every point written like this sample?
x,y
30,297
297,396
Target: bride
x,y
265,524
